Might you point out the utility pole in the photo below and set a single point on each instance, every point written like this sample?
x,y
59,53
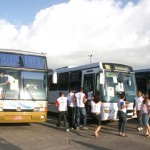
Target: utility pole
x,y
90,58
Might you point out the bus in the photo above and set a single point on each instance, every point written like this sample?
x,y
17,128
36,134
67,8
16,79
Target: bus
x,y
107,79
23,86
143,79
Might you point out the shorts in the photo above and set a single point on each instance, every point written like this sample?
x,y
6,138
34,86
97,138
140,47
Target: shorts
x,y
96,118
145,119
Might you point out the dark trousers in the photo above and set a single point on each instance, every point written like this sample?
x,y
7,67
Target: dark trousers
x,y
122,121
60,115
71,116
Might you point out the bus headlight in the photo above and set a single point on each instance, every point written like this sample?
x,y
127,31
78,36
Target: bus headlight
x,y
1,108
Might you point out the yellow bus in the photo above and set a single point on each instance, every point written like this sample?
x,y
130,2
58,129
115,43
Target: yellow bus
x,y
23,86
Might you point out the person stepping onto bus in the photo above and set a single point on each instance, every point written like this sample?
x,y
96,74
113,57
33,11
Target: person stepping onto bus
x,y
80,99
137,104
122,105
62,103
96,114
71,109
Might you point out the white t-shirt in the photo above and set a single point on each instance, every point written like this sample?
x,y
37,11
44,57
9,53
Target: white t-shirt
x,y
62,101
70,97
95,107
138,102
120,103
80,98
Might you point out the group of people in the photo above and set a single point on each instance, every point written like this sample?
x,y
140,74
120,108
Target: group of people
x,y
73,109
141,108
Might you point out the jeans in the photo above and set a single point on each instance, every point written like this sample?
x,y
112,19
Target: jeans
x,y
60,115
71,116
139,116
122,121
81,111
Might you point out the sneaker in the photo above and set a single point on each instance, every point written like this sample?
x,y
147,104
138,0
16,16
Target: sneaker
x,y
67,130
141,128
138,129
77,128
124,135
120,133
85,128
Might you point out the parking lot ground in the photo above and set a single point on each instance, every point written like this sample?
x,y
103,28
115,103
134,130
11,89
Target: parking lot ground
x,y
46,136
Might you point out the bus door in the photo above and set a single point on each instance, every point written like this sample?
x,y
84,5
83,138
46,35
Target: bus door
x,y
89,82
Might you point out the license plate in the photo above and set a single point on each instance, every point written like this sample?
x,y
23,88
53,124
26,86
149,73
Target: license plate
x,y
18,117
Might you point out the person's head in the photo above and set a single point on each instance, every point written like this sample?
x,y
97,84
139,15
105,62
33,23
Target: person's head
x,y
96,98
81,89
122,96
61,94
139,93
147,96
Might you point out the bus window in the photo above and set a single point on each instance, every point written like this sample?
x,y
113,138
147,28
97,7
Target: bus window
x,y
63,81
51,85
75,80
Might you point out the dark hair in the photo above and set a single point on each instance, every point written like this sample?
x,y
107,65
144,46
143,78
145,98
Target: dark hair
x,y
81,89
61,93
121,96
96,98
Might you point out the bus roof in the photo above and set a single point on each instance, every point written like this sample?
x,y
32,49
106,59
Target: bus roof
x,y
83,67
75,68
142,70
22,52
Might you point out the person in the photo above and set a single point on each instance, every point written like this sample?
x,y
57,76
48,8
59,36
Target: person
x,y
137,104
122,104
96,113
61,103
145,113
3,83
80,99
71,109
87,104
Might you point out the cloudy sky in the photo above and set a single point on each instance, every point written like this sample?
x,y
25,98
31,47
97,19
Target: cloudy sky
x,y
70,30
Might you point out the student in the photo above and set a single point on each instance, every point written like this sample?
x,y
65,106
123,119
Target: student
x,y
145,114
71,109
137,104
96,115
80,99
61,103
122,115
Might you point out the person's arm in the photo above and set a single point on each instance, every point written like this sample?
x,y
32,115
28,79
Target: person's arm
x,y
56,103
84,99
123,105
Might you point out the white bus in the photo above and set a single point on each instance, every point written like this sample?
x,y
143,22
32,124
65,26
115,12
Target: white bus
x,y
23,86
143,79
107,79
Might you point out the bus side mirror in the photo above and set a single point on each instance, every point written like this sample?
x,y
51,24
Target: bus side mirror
x,y
101,78
54,77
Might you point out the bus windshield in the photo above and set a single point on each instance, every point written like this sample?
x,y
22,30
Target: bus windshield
x,y
33,85
117,83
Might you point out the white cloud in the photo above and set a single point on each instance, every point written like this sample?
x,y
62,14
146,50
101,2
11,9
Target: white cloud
x,y
69,32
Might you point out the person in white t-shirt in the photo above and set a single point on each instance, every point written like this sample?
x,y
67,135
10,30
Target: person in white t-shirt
x,y
122,108
61,103
96,113
71,109
80,99
137,105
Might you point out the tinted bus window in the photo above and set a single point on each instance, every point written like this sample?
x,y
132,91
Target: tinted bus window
x,y
63,81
